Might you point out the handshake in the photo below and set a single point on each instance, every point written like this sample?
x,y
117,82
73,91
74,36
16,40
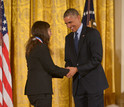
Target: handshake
x,y
72,71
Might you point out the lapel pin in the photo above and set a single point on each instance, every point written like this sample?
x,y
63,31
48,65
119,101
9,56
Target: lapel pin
x,y
83,35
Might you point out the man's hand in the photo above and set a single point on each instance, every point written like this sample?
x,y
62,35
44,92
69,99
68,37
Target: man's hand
x,y
72,71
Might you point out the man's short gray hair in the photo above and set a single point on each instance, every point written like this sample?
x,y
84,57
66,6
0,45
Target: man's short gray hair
x,y
70,11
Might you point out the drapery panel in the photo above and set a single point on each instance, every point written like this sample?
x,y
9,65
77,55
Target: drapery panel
x,y
21,14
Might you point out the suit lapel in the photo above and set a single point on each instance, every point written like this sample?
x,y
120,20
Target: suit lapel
x,y
82,36
73,46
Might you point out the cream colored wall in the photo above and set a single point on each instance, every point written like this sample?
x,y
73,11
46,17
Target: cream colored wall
x,y
122,48
118,47
119,50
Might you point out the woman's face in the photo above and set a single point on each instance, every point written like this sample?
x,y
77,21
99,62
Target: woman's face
x,y
49,32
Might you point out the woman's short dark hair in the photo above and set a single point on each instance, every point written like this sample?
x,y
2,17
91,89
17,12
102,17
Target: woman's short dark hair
x,y
39,29
70,11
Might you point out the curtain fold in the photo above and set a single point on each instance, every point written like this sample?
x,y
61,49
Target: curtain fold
x,y
21,14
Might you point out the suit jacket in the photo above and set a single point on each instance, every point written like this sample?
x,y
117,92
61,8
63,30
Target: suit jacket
x,y
41,69
88,61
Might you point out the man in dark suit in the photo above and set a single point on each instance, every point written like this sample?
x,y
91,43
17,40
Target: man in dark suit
x,y
83,54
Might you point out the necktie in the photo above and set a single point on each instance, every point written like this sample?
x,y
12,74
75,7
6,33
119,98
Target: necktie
x,y
76,42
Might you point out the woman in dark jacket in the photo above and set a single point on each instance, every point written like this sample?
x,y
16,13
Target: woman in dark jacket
x,y
40,66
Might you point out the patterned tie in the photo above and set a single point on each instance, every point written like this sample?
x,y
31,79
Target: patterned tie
x,y
76,42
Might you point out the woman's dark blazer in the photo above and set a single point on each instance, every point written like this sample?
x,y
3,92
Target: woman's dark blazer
x,y
41,69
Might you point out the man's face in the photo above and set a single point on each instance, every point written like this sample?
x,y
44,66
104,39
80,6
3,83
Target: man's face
x,y
73,22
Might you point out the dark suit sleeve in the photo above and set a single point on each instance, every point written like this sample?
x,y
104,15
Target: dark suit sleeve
x,y
48,64
94,44
67,56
